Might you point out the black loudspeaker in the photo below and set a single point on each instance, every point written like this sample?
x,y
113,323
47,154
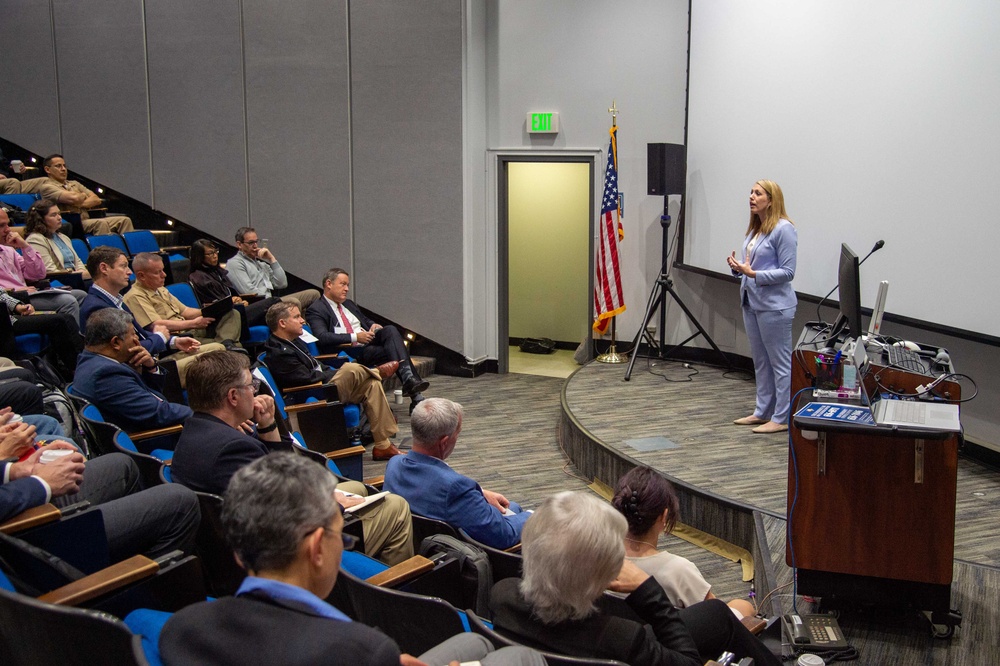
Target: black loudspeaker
x,y
665,168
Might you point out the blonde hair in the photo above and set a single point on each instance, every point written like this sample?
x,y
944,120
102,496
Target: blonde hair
x,y
775,212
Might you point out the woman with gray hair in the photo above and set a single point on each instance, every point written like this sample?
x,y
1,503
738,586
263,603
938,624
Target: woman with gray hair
x,y
573,549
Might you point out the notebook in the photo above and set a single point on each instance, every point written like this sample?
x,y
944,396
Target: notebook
x,y
917,414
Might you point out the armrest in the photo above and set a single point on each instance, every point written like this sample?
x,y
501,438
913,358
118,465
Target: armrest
x,y
516,548
147,434
754,625
306,407
375,481
345,453
327,356
304,387
106,580
402,572
175,248
37,515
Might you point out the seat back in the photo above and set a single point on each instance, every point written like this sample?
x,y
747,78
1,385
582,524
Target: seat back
x,y
183,292
80,248
141,240
114,240
41,634
424,527
22,201
388,610
479,626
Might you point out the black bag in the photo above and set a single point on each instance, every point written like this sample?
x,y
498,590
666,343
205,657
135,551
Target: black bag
x,y
474,565
538,345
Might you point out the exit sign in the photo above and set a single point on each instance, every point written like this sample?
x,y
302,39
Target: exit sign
x,y
543,123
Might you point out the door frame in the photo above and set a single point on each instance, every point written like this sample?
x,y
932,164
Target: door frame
x,y
499,163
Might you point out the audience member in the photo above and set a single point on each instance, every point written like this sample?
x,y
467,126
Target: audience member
x,y
573,549
286,529
16,269
651,507
255,270
290,363
121,378
151,303
153,522
435,490
108,267
338,322
72,197
64,335
232,426
56,250
211,283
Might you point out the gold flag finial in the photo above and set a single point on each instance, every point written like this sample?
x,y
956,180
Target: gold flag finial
x,y
614,113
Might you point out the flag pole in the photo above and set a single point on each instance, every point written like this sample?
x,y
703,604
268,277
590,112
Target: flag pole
x,y
612,355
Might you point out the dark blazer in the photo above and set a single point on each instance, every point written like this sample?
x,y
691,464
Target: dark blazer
x,y
291,364
129,400
210,451
256,629
96,300
435,490
323,320
665,641
19,495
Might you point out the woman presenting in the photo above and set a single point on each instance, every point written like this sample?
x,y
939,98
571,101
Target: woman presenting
x,y
767,267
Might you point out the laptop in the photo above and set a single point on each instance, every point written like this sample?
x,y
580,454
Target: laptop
x,y
923,414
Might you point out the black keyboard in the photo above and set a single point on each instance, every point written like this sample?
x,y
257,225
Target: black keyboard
x,y
905,359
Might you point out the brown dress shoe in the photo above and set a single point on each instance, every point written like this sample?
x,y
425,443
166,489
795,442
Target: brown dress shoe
x,y
386,453
387,370
749,420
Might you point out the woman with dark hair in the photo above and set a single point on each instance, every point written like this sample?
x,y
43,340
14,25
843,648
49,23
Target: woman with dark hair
x,y
41,230
651,507
211,283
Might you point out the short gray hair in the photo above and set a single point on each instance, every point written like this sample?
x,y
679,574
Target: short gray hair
x,y
573,547
104,324
146,260
434,418
272,504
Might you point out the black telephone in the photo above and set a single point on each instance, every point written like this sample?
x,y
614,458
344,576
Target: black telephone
x,y
814,632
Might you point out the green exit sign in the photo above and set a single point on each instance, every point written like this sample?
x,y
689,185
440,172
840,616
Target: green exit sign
x,y
543,123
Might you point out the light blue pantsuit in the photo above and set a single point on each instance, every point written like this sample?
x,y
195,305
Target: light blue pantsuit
x,y
769,302
770,336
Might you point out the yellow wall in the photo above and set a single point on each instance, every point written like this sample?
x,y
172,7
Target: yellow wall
x,y
549,250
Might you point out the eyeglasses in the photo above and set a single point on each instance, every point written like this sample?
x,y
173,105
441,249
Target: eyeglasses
x,y
349,542
251,242
211,253
254,383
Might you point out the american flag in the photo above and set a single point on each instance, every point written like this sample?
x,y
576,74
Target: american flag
x,y
608,300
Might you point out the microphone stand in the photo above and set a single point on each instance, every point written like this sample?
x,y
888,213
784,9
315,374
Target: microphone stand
x,y
658,299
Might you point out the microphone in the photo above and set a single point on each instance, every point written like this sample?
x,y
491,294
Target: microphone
x,y
875,248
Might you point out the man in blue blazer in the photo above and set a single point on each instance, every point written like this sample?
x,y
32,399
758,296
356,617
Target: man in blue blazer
x,y
435,490
119,376
338,322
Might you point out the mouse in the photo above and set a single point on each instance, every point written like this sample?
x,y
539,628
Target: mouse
x,y
943,358
912,346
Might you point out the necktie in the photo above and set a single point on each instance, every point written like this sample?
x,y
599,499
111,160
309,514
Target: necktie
x,y
346,322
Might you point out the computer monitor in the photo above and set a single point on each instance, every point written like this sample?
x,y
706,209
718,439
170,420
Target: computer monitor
x,y
849,293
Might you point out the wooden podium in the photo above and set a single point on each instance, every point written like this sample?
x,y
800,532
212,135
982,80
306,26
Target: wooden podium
x,y
874,511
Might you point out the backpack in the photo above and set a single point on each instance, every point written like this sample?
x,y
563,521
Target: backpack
x,y
58,406
474,567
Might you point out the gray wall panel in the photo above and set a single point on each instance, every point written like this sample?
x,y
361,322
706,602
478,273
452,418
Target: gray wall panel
x,y
102,93
297,87
406,110
196,112
30,116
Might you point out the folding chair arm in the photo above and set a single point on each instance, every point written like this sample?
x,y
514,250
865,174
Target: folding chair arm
x,y
402,572
33,517
104,581
147,434
345,453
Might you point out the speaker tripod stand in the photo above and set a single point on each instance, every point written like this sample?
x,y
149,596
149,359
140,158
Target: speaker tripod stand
x,y
658,300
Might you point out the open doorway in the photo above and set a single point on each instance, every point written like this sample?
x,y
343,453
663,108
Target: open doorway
x,y
546,255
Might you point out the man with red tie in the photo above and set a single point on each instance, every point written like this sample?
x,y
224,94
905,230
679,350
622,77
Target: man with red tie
x,y
339,323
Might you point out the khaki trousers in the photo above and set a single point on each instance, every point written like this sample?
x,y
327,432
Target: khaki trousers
x,y
387,525
357,384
